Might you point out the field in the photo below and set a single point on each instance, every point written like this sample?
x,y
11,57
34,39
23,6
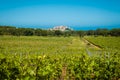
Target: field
x,y
108,44
59,58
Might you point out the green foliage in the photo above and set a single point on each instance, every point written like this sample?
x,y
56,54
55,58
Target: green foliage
x,y
115,32
53,58
81,33
110,43
9,30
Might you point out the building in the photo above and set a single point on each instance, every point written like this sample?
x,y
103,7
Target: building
x,y
61,28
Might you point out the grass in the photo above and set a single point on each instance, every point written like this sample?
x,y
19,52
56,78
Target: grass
x,y
35,44
54,58
109,44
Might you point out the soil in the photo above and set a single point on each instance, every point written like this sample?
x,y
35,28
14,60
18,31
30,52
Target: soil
x,y
91,45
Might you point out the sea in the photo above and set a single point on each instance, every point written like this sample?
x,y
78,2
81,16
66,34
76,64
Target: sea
x,y
46,27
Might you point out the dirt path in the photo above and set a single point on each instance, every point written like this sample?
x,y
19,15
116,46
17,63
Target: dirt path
x,y
79,44
91,45
91,49
83,43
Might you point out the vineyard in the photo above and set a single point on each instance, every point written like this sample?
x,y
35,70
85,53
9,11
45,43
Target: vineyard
x,y
109,44
59,58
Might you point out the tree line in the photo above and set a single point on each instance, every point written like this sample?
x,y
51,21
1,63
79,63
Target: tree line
x,y
9,30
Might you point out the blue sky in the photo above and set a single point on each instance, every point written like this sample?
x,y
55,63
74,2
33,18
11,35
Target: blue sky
x,y
60,12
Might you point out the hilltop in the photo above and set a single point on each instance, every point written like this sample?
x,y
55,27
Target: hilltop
x,y
61,28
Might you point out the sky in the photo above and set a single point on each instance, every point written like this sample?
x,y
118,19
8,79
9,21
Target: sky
x,y
60,12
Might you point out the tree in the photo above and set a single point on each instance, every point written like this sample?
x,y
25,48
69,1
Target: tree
x,y
90,32
81,33
38,32
58,33
115,32
28,32
44,33
103,32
